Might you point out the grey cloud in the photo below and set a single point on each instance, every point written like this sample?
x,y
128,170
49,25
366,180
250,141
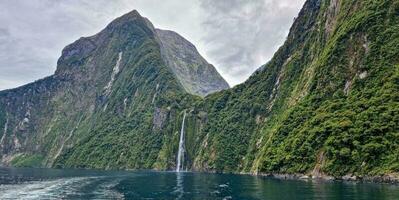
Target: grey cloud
x,y
242,35
4,33
33,33
235,35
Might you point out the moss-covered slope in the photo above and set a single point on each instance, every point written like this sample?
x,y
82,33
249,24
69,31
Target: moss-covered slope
x,y
328,101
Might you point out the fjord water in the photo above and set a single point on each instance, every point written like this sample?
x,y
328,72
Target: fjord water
x,y
92,184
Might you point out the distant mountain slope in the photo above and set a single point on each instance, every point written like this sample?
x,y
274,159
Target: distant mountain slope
x,y
195,74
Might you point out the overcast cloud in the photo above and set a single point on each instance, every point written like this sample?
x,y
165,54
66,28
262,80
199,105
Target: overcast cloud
x,y
237,36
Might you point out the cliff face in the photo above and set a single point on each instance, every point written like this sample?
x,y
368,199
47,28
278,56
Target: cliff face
x,y
326,104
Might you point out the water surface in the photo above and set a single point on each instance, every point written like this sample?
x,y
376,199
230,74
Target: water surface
x,y
92,184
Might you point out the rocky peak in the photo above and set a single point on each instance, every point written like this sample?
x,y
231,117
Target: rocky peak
x,y
130,18
123,32
195,74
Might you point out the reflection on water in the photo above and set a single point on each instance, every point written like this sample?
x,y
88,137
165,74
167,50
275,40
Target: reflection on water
x,y
91,184
179,185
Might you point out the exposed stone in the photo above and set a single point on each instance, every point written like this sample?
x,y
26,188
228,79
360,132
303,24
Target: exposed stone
x,y
332,13
160,116
363,75
124,103
304,177
195,74
348,85
115,71
349,177
366,44
155,94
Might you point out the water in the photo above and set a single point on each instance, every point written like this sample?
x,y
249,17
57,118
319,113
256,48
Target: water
x,y
180,154
91,184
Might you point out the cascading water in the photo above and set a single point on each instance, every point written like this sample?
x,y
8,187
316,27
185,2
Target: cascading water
x,y
180,154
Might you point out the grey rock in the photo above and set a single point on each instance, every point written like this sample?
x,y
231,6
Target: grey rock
x,y
160,116
195,74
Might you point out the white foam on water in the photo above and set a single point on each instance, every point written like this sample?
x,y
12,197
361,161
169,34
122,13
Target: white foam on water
x,y
105,191
54,189
63,188
34,190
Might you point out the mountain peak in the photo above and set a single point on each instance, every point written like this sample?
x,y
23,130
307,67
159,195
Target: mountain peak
x,y
193,72
132,15
126,30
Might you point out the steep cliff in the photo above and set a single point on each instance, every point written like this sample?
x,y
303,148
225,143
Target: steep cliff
x,y
326,104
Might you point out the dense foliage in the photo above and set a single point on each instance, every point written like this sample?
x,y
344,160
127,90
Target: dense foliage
x,y
329,97
27,160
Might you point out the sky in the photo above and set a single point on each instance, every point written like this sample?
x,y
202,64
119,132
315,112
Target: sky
x,y
236,36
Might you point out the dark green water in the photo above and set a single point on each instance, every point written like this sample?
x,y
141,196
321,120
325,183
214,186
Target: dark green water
x,y
91,184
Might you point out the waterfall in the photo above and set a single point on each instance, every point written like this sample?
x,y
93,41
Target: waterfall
x,y
180,154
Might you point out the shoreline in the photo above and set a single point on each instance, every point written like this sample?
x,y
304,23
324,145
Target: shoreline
x,y
383,179
392,178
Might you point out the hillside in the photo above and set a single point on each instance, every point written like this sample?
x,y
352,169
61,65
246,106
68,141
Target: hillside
x,y
326,104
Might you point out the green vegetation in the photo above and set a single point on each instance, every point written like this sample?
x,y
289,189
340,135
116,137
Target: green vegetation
x,y
27,160
327,93
357,131
328,98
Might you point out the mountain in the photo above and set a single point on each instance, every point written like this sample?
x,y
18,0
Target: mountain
x,y
123,83
326,104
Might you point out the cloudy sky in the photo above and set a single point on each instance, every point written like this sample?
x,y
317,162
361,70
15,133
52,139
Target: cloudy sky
x,y
237,36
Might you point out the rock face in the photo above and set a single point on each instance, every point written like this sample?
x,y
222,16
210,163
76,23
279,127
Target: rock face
x,y
195,74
